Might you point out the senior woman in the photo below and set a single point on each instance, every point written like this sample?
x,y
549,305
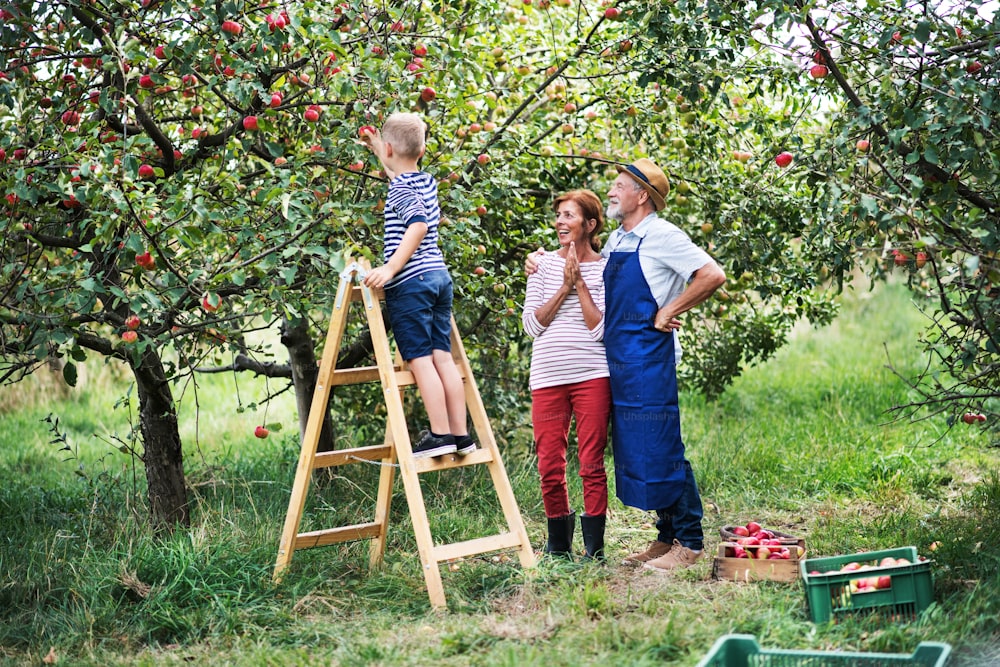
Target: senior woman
x,y
564,314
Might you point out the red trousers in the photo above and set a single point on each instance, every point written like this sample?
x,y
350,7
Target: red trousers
x,y
551,409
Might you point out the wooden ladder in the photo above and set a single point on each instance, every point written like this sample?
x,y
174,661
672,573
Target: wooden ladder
x,y
394,377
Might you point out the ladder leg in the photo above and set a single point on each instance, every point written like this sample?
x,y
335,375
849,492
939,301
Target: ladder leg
x,y
484,431
382,505
314,426
401,438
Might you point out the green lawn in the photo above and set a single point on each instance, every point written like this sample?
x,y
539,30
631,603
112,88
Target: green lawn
x,y
803,444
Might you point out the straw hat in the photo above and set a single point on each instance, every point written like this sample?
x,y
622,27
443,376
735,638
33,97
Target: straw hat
x,y
650,177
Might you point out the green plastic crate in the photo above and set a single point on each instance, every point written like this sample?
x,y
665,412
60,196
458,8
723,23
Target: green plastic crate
x,y
744,651
829,593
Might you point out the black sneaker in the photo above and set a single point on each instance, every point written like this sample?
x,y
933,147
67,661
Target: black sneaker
x,y
465,445
430,445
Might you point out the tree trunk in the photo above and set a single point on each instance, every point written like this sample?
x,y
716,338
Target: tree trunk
x,y
163,455
305,372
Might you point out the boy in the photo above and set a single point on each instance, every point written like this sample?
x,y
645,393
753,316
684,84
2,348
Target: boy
x,y
418,287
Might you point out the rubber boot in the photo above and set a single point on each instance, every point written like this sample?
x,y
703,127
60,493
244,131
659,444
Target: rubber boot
x,y
592,528
560,541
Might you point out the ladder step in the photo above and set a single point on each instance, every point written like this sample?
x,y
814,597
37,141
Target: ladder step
x,y
344,456
448,461
360,375
319,538
480,545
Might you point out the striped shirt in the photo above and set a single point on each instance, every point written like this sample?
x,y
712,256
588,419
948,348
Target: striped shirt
x,y
566,351
412,198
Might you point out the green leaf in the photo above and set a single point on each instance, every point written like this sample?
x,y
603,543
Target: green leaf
x,y
70,374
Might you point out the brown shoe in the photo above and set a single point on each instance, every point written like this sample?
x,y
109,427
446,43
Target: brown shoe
x,y
678,556
656,549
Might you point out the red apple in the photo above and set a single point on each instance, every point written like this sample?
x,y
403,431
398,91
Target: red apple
x,y
276,100
742,156
883,582
783,159
261,432
863,145
311,115
970,418
71,118
900,258
160,53
763,553
146,171
428,94
211,302
419,50
483,159
365,130
741,531
818,71
920,259
479,271
753,527
146,81
145,260
231,27
130,337
973,67
612,13
132,322
250,123
481,211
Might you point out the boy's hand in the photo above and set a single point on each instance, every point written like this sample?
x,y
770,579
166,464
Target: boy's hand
x,y
377,278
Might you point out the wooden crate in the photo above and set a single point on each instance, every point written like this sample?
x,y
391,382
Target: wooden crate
x,y
730,568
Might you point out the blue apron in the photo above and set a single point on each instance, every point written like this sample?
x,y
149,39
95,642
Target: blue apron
x,y
650,469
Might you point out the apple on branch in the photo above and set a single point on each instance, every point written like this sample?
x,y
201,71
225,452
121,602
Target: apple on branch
x,y
783,159
211,301
261,432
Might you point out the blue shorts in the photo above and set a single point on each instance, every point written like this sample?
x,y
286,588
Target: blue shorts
x,y
420,314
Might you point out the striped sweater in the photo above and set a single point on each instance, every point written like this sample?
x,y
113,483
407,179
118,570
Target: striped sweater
x,y
566,351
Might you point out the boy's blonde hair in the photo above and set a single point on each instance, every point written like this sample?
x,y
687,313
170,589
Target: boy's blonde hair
x,y
405,131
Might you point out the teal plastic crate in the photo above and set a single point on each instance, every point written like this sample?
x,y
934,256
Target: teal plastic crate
x,y
744,651
829,594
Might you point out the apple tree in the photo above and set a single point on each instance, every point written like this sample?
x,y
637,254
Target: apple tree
x,y
177,177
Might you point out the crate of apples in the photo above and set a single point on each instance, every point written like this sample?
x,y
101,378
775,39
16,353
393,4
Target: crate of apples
x,y
753,534
896,583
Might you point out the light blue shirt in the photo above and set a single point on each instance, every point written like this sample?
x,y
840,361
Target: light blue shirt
x,y
668,258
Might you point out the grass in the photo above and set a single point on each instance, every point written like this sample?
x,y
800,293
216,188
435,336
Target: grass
x,y
803,444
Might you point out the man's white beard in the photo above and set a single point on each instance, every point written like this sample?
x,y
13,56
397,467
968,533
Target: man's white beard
x,y
614,211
